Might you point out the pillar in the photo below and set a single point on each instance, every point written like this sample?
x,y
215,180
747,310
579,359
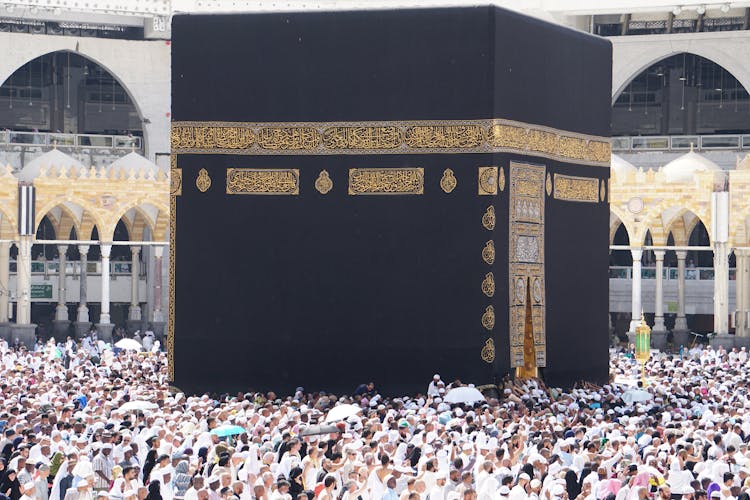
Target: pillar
x,y
61,312
61,322
158,255
721,288
4,280
83,324
105,252
105,326
135,309
23,331
134,312
23,281
4,290
741,295
158,323
681,322
635,318
659,306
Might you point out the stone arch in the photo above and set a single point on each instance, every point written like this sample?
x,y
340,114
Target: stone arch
x,y
147,213
84,215
624,219
628,68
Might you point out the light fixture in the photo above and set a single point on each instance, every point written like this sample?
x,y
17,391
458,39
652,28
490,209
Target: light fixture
x,y
677,11
725,8
701,10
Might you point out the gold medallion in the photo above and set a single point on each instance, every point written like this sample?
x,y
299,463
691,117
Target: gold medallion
x,y
488,219
488,252
487,180
488,284
323,183
488,351
203,182
501,179
448,182
488,318
549,185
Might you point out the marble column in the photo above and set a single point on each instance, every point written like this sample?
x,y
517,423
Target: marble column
x,y
740,283
83,324
134,312
681,322
4,290
637,309
721,288
105,326
23,281
61,322
105,252
157,318
23,331
659,306
158,315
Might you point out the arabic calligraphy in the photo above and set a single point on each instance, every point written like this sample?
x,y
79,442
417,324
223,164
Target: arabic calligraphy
x,y
582,189
386,181
262,181
487,181
388,137
362,137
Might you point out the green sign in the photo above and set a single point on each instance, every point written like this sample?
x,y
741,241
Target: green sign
x,y
671,307
41,291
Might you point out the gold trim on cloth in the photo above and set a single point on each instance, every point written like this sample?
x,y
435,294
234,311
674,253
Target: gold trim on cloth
x,y
389,137
571,188
175,181
386,181
263,181
501,179
487,181
174,193
448,182
602,191
526,259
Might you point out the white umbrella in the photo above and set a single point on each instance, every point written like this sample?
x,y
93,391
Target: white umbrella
x,y
467,395
636,396
139,405
129,344
342,412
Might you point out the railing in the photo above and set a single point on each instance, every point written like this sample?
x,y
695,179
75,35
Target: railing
x,y
73,268
668,273
681,142
94,141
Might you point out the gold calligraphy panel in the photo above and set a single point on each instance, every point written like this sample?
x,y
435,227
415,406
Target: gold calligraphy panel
x,y
570,188
362,138
263,181
526,261
386,181
288,138
444,136
388,137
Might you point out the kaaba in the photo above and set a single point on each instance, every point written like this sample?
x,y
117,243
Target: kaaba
x,y
384,195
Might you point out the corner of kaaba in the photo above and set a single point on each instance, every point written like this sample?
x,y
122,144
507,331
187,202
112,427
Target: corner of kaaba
x,y
384,195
